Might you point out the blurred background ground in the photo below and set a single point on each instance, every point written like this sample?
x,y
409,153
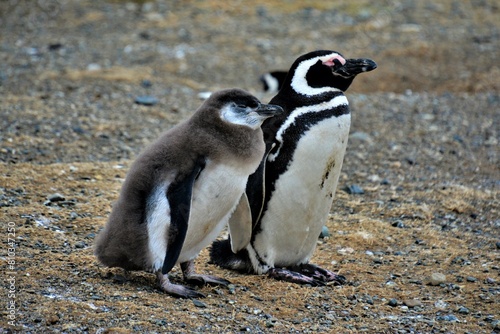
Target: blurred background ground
x,y
423,148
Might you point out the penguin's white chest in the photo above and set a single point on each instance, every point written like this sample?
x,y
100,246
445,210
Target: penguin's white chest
x,y
215,195
303,195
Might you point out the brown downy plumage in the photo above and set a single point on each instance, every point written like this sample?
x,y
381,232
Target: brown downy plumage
x,y
154,224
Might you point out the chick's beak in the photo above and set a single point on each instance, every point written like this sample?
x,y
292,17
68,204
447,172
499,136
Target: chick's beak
x,y
269,110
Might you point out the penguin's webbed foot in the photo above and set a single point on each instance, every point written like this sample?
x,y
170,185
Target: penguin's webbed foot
x,y
206,279
291,276
177,290
191,277
320,274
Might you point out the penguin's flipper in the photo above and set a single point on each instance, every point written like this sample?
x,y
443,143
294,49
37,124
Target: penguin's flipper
x,y
256,187
240,225
179,196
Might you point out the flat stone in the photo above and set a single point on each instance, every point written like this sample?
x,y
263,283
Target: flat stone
x,y
412,302
199,304
146,100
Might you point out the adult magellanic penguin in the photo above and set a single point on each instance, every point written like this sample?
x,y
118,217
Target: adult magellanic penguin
x,y
292,191
180,192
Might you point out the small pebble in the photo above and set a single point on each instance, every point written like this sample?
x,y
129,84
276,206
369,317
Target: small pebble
x,y
198,303
324,232
496,325
498,244
354,189
56,197
447,317
393,302
437,278
471,279
398,224
204,95
146,100
93,67
490,280
463,310
80,244
441,304
412,302
146,83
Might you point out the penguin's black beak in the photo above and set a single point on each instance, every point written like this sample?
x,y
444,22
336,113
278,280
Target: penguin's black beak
x,y
353,67
269,110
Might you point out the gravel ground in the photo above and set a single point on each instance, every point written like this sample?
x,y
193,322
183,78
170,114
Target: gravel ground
x,y
415,225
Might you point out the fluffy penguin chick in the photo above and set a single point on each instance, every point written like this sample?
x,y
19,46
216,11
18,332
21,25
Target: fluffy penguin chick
x,y
292,191
181,190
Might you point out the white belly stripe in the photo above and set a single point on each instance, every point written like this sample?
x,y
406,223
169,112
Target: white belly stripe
x,y
158,223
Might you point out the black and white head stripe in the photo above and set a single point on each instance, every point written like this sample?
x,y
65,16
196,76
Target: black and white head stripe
x,y
299,80
273,81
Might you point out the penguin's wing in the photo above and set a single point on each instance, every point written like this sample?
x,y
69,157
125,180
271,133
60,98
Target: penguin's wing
x,y
256,188
179,195
240,225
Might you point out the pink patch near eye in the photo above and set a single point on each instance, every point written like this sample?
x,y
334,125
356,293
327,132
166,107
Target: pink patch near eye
x,y
330,62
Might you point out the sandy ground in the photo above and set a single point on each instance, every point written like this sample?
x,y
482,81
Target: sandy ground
x,y
423,147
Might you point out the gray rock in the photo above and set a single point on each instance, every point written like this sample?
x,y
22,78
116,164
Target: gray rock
x,y
354,189
146,100
80,244
199,304
436,279
324,232
447,317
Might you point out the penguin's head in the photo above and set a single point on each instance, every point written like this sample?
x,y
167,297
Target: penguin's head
x,y
241,108
320,71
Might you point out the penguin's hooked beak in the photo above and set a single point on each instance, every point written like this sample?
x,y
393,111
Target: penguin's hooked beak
x,y
353,67
268,110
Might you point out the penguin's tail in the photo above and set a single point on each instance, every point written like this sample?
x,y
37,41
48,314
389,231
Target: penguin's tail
x,y
222,255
